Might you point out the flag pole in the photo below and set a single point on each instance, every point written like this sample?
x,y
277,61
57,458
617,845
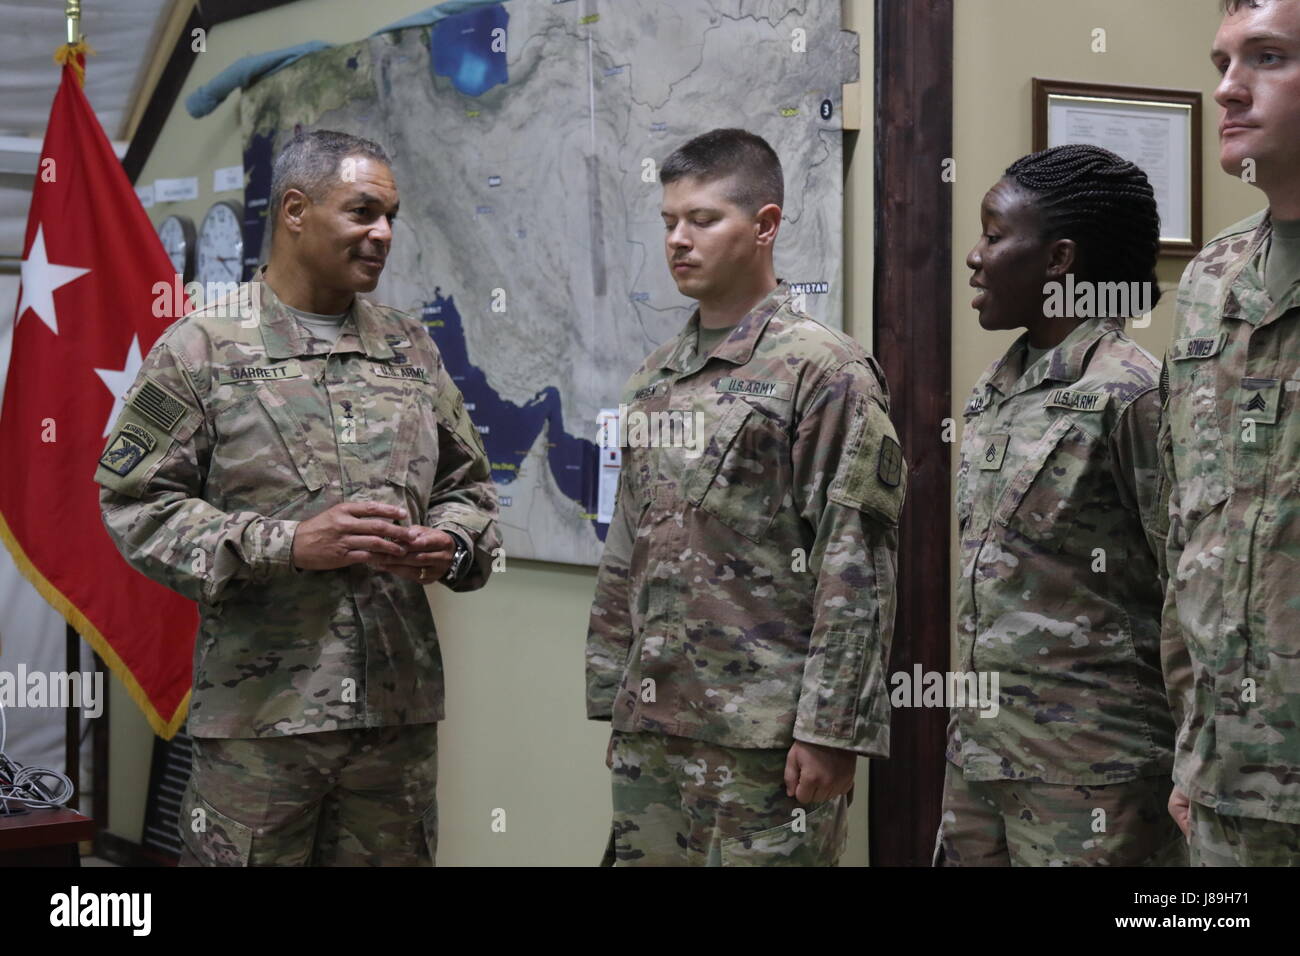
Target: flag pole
x,y
72,640
72,10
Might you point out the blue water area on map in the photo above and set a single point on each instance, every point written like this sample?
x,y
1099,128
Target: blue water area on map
x,y
461,49
257,194
512,429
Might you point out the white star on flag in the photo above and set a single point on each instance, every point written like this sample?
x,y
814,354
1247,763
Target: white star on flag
x,y
118,382
40,278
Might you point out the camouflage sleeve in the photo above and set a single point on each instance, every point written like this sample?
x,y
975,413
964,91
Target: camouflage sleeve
x,y
849,484
1135,463
609,629
151,476
1175,661
463,498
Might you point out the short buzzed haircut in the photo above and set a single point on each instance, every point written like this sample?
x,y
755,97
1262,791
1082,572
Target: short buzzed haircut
x,y
720,153
311,163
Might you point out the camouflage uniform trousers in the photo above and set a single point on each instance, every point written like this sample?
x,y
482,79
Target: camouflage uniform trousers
x,y
1217,839
1010,823
683,802
362,797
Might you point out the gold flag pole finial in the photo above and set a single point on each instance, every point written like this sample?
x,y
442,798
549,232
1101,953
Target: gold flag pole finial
x,y
73,53
72,10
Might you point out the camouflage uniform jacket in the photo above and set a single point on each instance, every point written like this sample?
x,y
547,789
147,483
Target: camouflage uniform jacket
x,y
1059,591
746,594
237,429
1230,442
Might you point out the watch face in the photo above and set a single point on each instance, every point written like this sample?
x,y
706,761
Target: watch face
x,y
221,245
177,236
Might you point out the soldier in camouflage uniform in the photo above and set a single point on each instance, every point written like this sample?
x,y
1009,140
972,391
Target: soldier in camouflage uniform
x,y
745,599
1059,594
1230,451
298,461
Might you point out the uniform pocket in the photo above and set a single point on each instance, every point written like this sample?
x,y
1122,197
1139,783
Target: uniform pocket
x,y
1204,476
965,506
413,458
294,438
814,839
214,838
1043,498
743,473
263,456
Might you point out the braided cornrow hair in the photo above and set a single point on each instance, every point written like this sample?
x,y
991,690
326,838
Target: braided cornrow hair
x,y
1102,202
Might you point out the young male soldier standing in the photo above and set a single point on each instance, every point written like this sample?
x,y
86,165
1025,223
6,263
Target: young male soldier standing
x,y
299,462
1230,441
745,601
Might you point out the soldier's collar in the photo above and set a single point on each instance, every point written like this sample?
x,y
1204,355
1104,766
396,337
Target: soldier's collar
x,y
1247,282
739,346
1067,360
284,336
370,324
1064,363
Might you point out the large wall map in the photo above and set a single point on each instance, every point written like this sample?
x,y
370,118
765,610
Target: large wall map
x,y
529,241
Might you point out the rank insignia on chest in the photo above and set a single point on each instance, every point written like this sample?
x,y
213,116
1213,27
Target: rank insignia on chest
x,y
1260,400
992,452
889,468
128,448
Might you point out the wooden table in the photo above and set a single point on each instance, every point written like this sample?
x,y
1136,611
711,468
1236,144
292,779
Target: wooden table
x,y
45,837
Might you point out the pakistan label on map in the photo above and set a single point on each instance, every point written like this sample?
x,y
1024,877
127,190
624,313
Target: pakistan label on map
x,y
526,137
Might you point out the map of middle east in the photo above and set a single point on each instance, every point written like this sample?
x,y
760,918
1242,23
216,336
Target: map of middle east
x,y
526,138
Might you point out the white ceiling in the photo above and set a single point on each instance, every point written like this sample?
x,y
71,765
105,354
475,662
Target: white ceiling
x,y
123,34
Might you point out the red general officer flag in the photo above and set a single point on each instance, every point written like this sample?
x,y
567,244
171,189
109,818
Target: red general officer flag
x,y
85,319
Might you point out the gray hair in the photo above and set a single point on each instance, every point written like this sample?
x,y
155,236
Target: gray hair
x,y
310,163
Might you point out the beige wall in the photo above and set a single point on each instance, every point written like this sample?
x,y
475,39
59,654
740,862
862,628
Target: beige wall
x,y
515,736
1001,45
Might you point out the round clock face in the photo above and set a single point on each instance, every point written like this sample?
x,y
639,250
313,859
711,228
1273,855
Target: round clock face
x,y
221,245
177,235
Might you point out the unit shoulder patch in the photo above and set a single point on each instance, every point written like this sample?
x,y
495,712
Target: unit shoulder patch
x,y
889,468
127,449
872,475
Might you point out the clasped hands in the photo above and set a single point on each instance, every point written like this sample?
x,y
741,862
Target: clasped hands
x,y
362,532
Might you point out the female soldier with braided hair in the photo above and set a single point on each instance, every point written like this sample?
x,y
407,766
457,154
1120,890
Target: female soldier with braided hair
x,y
1059,597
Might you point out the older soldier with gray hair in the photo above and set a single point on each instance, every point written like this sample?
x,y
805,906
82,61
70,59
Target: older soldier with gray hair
x,y
1230,442
303,466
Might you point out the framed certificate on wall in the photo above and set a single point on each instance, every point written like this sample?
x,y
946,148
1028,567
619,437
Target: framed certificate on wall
x,y
1158,130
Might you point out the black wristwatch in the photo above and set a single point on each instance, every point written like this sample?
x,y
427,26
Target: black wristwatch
x,y
459,560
